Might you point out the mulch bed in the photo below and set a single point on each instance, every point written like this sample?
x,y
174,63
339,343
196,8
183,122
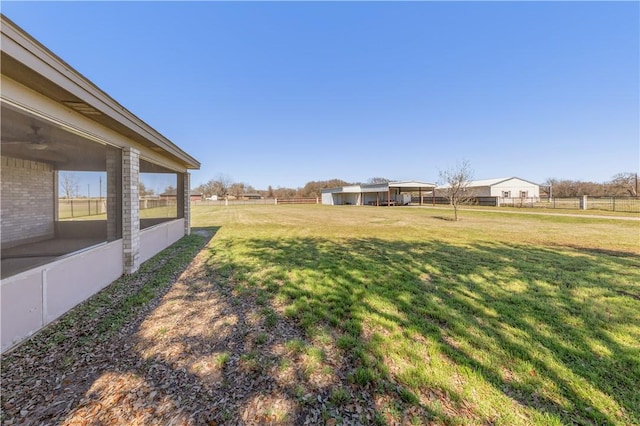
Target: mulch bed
x,y
198,353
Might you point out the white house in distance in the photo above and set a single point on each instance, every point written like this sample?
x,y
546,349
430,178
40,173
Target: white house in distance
x,y
55,120
380,194
512,187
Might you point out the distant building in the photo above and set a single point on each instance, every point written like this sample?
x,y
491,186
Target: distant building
x,y
378,194
252,196
512,187
172,194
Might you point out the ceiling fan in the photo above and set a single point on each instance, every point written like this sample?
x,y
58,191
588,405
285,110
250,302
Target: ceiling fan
x,y
34,140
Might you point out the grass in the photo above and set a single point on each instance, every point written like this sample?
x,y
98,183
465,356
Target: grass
x,y
498,318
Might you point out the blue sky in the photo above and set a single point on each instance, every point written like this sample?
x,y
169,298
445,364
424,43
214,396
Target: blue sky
x,y
281,93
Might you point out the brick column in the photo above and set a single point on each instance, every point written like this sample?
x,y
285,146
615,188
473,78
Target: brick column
x,y
130,209
187,203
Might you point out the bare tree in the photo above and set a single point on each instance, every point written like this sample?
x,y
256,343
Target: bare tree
x,y
68,184
625,183
143,191
455,183
223,184
375,180
237,189
219,186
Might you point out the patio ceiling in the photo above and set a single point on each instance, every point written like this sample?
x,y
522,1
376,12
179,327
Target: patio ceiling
x,y
30,138
51,144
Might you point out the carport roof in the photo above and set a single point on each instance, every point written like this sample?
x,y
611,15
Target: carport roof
x,y
409,185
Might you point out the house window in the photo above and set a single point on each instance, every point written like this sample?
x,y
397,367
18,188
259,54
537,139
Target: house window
x,y
524,194
506,194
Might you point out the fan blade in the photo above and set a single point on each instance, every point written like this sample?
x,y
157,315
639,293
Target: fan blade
x,y
14,142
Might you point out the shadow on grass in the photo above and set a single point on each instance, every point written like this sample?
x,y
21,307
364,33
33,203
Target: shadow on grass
x,y
553,330
447,218
550,329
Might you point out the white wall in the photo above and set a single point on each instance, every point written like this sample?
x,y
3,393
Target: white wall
x,y
481,191
158,237
32,299
327,198
515,186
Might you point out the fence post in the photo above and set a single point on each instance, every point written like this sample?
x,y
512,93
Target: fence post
x,y
71,208
583,203
275,201
613,201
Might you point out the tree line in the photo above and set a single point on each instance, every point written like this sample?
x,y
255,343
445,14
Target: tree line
x,y
620,185
223,186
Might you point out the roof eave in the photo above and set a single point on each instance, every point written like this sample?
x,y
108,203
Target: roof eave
x,y
18,45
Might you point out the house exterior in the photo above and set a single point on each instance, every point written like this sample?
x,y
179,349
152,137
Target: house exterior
x,y
380,194
56,121
250,196
512,187
172,194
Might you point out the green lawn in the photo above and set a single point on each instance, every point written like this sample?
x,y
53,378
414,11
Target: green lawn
x,y
495,319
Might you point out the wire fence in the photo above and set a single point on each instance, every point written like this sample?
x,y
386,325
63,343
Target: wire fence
x,y
313,200
616,204
233,202
263,201
83,207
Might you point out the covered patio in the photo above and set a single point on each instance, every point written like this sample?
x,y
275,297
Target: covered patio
x,y
58,132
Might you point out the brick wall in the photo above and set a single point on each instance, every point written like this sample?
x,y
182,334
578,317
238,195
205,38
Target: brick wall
x,y
27,206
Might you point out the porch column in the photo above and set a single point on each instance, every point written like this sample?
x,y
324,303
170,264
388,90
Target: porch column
x,y
130,209
184,203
